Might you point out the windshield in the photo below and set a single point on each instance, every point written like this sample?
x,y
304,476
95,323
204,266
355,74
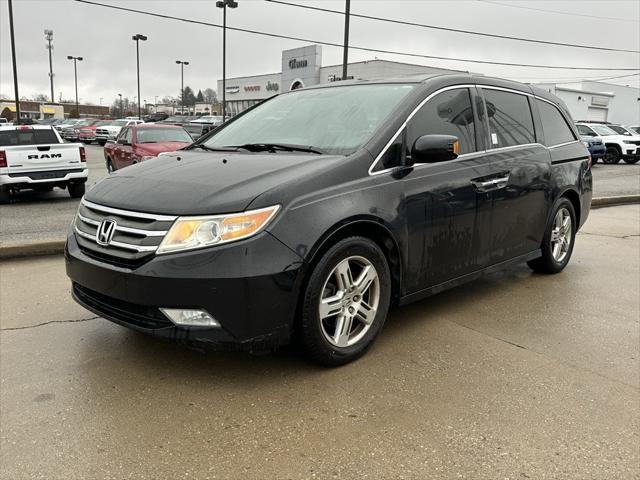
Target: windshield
x,y
153,135
619,130
603,130
334,120
119,123
103,123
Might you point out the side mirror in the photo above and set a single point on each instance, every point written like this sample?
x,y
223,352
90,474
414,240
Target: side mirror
x,y
122,141
434,148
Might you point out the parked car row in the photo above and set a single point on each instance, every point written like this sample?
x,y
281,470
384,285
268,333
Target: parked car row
x,y
610,142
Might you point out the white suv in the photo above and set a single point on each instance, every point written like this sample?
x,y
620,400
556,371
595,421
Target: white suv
x,y
619,147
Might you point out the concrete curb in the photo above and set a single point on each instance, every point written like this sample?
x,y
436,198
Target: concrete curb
x,y
56,247
31,248
617,200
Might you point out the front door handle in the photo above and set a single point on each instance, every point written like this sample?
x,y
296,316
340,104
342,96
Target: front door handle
x,y
490,184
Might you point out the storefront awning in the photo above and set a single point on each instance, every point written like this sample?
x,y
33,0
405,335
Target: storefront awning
x,y
11,108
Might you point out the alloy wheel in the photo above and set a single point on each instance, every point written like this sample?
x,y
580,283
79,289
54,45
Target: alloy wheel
x,y
561,235
349,301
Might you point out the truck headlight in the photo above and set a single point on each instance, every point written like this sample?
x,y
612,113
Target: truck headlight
x,y
188,233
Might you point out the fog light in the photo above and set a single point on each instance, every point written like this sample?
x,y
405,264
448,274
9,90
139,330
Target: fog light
x,y
191,318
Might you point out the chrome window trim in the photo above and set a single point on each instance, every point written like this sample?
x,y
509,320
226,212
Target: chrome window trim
x,y
128,213
465,155
404,125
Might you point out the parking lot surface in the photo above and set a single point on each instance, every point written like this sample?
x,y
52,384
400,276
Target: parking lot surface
x,y
36,216
514,376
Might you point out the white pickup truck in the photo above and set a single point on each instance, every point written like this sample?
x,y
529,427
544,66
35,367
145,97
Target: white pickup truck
x,y
34,157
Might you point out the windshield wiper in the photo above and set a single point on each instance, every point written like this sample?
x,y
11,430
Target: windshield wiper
x,y
272,147
210,149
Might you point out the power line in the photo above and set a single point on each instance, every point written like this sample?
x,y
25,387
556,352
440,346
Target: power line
x,y
455,30
560,13
354,47
571,79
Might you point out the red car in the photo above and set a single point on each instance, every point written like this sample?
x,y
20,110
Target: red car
x,y
87,133
137,143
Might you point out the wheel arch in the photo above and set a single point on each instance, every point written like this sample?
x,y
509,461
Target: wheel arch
x,y
574,197
372,228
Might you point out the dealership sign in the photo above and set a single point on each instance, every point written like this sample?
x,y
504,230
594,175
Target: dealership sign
x,y
232,89
295,63
272,87
252,88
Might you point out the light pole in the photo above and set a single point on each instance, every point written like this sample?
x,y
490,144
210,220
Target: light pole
x,y
48,35
182,64
13,59
75,73
137,37
121,106
223,4
345,53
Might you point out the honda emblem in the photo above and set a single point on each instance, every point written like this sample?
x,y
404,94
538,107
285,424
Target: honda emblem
x,y
105,232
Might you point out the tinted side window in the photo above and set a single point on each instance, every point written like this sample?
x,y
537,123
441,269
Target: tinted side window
x,y
554,126
128,136
448,113
510,119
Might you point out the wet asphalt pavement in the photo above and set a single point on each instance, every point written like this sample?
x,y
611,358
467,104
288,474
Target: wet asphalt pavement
x,y
514,376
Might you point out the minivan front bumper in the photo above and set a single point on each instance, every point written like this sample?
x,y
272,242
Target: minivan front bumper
x,y
249,287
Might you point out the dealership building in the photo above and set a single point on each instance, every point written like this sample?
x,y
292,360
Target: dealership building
x,y
302,67
599,101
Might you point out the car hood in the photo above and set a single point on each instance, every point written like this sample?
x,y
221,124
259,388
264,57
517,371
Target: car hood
x,y
153,149
201,183
620,138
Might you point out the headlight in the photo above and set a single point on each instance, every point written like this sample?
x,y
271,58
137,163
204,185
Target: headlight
x,y
586,144
627,141
188,233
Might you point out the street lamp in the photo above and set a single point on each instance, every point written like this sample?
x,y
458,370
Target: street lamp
x,y
223,4
121,106
48,36
75,73
137,37
182,64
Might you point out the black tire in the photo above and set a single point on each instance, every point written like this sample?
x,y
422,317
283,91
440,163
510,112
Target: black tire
x,y
102,143
631,160
76,190
5,195
87,142
548,263
110,167
312,330
44,188
612,156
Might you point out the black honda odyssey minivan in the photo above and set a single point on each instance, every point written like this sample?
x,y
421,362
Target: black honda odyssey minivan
x,y
312,213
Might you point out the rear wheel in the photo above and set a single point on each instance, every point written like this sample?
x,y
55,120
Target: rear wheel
x,y
612,156
345,302
110,168
76,190
558,241
102,142
5,195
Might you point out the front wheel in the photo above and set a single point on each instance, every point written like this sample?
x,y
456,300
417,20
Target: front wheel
x,y
558,241
5,195
110,168
346,301
76,190
612,156
632,160
102,143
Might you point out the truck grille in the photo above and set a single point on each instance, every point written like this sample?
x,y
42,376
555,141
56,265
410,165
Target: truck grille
x,y
136,235
102,131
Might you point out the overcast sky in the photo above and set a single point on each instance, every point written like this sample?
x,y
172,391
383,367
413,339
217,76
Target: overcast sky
x,y
103,37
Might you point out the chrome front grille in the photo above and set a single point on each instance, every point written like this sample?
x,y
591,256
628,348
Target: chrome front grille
x,y
135,238
102,131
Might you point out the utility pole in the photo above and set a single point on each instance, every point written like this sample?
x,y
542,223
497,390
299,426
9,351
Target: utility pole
x,y
13,59
345,52
75,73
121,106
182,64
137,37
48,35
223,4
